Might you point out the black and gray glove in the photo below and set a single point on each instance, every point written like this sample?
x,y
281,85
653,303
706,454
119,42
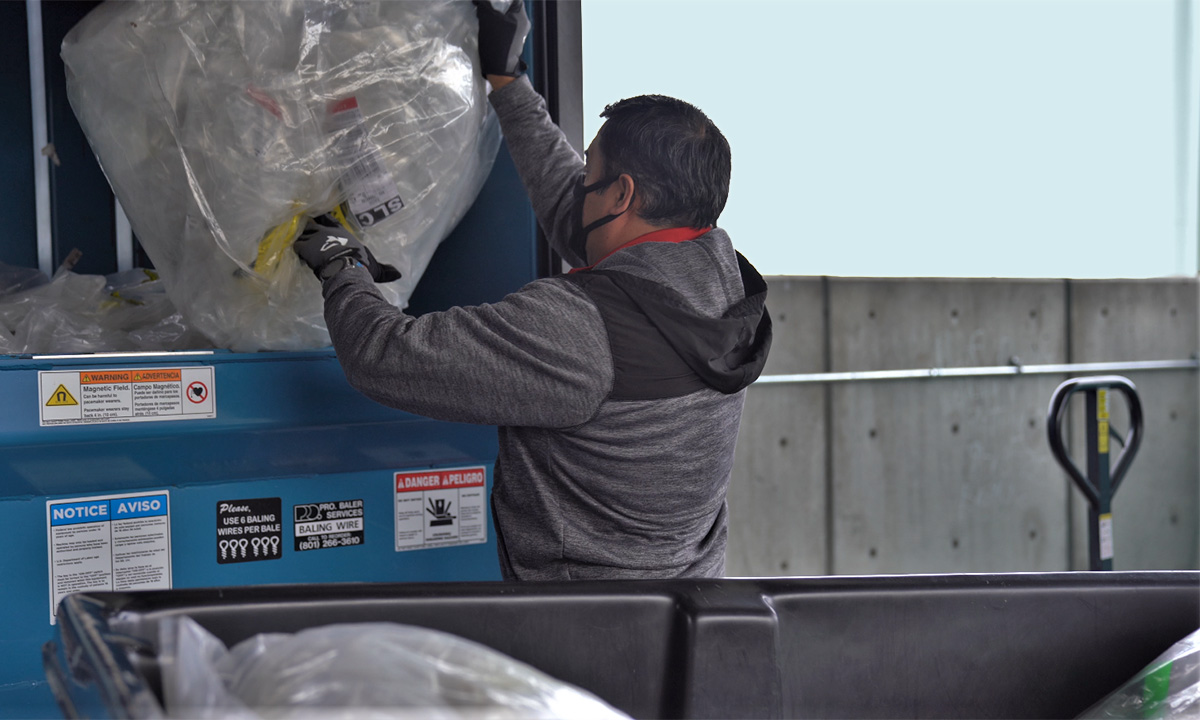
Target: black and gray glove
x,y
328,248
501,37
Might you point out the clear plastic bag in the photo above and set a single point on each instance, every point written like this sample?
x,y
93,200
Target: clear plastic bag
x,y
74,313
1169,687
58,317
368,670
221,125
14,279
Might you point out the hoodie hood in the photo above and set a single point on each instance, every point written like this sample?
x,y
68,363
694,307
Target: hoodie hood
x,y
689,350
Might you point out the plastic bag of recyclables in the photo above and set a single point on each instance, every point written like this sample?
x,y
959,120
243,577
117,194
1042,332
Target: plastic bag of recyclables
x,y
222,125
1169,687
360,671
72,313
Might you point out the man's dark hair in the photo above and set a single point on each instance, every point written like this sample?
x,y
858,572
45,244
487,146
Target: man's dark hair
x,y
679,160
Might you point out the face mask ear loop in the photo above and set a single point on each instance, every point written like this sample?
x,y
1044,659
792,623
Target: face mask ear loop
x,y
584,190
601,222
578,240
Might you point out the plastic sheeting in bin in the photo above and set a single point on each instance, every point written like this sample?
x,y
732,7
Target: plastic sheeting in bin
x,y
1169,687
126,311
221,125
365,670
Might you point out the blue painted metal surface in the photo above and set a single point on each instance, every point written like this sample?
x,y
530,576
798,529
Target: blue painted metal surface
x,y
16,140
81,202
492,251
287,426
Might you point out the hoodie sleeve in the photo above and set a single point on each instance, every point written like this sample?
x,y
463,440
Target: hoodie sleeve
x,y
539,357
549,167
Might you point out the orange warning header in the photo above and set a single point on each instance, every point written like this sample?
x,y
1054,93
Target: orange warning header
x,y
103,378
440,479
156,375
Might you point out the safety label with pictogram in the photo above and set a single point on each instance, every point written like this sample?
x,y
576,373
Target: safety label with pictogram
x,y
84,397
249,530
108,542
439,508
317,526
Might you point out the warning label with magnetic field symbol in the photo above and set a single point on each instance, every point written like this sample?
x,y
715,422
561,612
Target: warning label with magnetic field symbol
x,y
117,395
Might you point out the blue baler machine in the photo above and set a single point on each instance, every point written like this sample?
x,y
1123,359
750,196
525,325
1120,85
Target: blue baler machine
x,y
273,469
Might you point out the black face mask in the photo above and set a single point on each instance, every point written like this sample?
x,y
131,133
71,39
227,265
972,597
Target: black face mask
x,y
578,240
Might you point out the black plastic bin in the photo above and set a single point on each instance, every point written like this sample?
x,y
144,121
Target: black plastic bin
x,y
934,646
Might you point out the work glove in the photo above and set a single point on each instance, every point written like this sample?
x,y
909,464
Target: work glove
x,y
501,37
328,248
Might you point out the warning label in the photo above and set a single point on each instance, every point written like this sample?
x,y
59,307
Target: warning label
x,y
125,395
318,526
249,530
439,508
110,542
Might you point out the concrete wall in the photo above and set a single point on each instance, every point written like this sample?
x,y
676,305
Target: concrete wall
x,y
955,474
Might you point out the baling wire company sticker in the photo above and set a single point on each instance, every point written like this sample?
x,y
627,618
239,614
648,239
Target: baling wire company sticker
x,y
317,526
249,530
440,508
108,542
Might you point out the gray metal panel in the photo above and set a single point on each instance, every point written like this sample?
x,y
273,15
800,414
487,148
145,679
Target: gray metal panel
x,y
949,475
890,324
569,39
1156,511
777,499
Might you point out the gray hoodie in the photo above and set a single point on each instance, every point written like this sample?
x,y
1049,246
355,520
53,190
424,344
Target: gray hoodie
x,y
617,390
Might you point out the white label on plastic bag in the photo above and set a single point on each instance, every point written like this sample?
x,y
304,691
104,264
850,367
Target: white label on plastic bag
x,y
441,508
369,187
84,397
1106,537
108,542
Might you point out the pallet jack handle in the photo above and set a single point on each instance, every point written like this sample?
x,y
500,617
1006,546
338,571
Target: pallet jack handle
x,y
1102,479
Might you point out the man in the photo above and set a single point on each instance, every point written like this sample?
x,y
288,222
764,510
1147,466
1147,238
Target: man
x,y
618,388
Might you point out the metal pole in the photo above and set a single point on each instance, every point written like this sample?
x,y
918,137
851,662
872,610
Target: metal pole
x,y
41,136
981,371
1100,545
124,238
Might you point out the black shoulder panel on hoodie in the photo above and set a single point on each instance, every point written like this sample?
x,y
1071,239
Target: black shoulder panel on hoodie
x,y
661,347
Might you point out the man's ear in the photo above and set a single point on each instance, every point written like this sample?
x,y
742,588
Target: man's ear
x,y
625,192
